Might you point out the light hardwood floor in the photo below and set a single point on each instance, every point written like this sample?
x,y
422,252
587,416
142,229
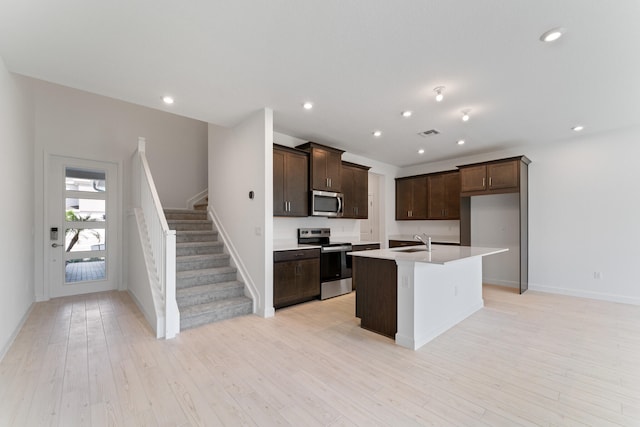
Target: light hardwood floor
x,y
532,359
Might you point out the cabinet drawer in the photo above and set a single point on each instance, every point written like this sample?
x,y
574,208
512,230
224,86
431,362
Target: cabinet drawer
x,y
295,255
370,247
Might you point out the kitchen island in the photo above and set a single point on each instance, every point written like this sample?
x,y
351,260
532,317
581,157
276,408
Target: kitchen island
x,y
413,295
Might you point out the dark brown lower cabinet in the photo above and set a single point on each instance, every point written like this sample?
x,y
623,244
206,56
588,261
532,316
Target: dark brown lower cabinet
x,y
296,276
376,294
362,247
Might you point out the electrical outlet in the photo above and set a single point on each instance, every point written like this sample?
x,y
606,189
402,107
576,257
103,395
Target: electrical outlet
x,y
258,231
597,275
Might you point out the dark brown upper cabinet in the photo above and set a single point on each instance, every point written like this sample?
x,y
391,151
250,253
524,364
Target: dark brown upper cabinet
x,y
325,169
290,182
443,195
500,176
355,187
411,198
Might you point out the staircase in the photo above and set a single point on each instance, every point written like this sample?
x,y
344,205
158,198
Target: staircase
x,y
207,289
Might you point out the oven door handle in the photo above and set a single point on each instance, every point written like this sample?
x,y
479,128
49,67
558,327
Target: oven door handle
x,y
336,249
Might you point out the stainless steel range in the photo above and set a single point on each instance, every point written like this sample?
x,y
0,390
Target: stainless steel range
x,y
335,267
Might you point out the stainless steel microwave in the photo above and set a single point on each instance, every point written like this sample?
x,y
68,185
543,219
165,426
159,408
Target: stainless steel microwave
x,y
326,203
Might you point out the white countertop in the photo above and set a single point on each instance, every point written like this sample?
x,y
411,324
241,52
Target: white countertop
x,y
364,242
440,254
292,245
434,238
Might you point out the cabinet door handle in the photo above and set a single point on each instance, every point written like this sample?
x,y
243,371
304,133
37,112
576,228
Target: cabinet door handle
x,y
489,181
482,182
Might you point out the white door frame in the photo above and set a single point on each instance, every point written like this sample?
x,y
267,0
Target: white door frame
x,y
54,191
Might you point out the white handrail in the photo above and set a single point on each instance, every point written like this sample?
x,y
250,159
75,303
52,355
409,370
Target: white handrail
x,y
161,239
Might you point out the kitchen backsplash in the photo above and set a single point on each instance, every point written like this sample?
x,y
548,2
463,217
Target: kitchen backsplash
x,y
349,229
436,228
287,228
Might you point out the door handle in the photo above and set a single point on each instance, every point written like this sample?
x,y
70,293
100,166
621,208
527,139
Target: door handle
x,y
55,245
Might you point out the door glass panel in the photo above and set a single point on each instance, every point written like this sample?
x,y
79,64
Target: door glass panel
x,y
84,239
85,180
84,269
85,209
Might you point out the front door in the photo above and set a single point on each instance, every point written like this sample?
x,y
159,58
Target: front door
x,y
82,226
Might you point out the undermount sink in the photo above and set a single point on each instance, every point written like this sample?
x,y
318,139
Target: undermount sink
x,y
412,250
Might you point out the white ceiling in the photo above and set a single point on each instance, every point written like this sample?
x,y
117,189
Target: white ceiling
x,y
361,62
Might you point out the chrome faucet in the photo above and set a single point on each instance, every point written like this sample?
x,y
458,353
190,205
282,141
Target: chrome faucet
x,y
424,239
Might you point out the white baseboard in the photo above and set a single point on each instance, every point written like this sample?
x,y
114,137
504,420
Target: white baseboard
x,y
14,335
500,282
268,312
197,198
585,294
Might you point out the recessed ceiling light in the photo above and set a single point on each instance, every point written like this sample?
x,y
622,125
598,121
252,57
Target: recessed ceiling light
x,y
439,95
167,99
552,35
460,141
377,133
421,151
307,105
407,113
465,115
577,128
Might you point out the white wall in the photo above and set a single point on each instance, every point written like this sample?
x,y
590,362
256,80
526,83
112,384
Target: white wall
x,y
74,123
495,223
240,161
16,188
139,274
583,218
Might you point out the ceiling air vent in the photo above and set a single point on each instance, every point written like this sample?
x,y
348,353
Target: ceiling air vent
x,y
430,132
